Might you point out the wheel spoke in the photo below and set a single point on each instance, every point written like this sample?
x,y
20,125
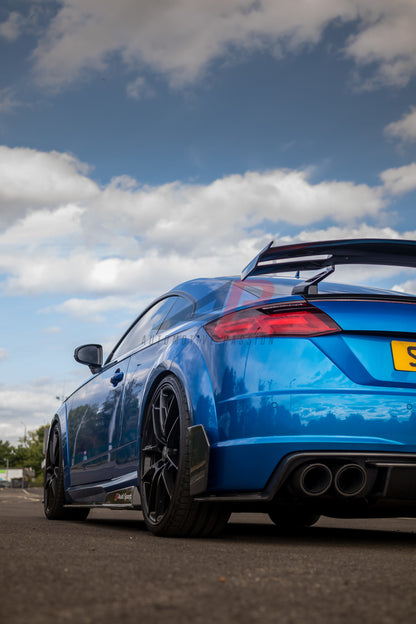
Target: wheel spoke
x,y
162,413
169,401
173,434
53,449
167,406
154,494
169,479
52,485
163,497
157,425
48,479
164,402
172,458
151,470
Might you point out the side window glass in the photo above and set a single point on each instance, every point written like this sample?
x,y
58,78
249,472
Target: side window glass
x,y
180,312
215,299
146,327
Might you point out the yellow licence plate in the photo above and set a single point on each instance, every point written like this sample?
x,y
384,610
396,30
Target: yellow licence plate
x,y
404,355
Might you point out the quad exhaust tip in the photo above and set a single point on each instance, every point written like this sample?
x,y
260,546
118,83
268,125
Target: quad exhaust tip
x,y
316,479
350,480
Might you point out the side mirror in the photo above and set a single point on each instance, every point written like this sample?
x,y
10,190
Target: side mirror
x,y
91,355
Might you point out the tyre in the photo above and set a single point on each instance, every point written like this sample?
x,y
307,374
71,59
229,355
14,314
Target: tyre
x,y
167,506
293,519
53,483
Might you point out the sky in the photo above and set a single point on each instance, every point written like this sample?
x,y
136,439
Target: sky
x,y
143,143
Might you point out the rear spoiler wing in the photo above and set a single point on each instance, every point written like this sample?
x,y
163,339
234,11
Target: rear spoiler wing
x,y
327,255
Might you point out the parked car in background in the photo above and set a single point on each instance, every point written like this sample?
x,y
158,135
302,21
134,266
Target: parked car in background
x,y
293,396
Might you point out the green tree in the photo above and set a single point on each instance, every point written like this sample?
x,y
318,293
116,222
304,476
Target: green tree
x,y
29,452
6,453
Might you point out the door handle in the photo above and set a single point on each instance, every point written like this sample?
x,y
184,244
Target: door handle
x,y
117,377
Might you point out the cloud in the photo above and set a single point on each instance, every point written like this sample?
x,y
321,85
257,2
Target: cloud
x,y
68,239
139,89
61,233
3,354
30,180
26,409
176,39
11,28
335,232
8,100
93,310
405,128
181,39
401,180
53,329
385,41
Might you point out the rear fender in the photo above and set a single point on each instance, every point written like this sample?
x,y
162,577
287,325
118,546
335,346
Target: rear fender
x,y
183,359
191,369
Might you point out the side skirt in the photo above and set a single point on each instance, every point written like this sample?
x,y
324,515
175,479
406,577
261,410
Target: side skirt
x,y
121,493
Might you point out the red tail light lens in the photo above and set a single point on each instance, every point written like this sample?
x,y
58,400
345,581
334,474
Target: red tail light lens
x,y
302,320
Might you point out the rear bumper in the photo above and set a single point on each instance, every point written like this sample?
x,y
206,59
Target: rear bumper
x,y
249,464
344,484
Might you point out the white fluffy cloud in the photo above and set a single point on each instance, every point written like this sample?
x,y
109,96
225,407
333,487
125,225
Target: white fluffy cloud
x,y
385,39
30,179
400,180
26,409
180,39
61,233
66,237
405,128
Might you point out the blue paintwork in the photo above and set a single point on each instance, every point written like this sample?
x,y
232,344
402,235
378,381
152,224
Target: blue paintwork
x,y
258,399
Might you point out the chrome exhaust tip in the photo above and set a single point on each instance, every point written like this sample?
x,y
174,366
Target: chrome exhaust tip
x,y
350,480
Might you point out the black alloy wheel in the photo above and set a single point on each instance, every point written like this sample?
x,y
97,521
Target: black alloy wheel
x,y
53,483
168,508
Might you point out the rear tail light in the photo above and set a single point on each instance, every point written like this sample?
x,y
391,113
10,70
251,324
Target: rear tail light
x,y
299,320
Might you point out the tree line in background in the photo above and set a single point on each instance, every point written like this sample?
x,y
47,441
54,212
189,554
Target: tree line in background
x,y
27,454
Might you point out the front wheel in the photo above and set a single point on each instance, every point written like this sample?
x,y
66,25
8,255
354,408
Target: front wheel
x,y
168,508
53,483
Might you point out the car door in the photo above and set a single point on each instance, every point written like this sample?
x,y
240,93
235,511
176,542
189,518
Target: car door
x,y
102,422
93,425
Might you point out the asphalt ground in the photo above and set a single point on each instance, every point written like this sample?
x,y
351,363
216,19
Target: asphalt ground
x,y
109,569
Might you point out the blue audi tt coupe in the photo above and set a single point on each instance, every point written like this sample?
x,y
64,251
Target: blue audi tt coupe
x,y
293,396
